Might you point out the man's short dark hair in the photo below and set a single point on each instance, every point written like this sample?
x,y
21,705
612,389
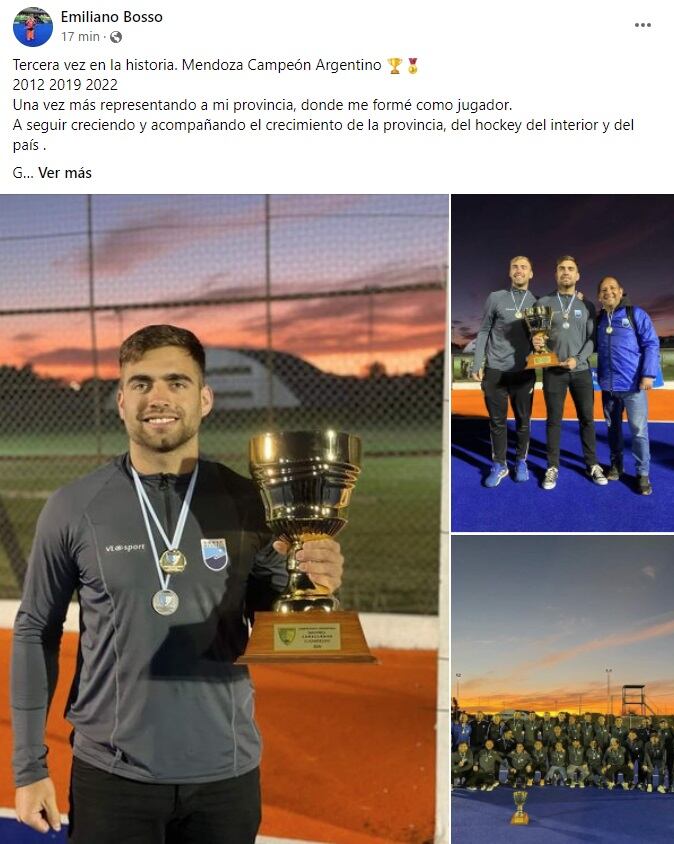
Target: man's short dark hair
x,y
156,337
563,258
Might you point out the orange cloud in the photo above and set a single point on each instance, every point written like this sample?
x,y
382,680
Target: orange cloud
x,y
655,631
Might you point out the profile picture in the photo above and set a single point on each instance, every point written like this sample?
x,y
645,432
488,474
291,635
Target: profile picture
x,y
33,27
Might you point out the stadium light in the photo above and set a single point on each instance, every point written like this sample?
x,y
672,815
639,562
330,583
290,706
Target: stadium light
x,y
609,707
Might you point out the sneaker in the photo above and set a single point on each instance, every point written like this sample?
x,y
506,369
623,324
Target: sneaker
x,y
644,485
649,788
610,786
550,479
521,471
483,788
472,788
614,472
498,472
662,789
582,785
542,783
626,786
597,474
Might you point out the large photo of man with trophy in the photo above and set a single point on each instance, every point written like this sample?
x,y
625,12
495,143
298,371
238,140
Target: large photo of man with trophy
x,y
221,437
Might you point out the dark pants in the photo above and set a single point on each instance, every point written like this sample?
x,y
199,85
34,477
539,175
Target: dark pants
x,y
556,383
108,809
498,387
478,778
613,771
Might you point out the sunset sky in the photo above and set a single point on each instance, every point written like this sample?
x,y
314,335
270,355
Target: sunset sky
x,y
536,620
163,248
629,237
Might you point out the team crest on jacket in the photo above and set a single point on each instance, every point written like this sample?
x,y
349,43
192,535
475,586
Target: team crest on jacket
x,y
214,553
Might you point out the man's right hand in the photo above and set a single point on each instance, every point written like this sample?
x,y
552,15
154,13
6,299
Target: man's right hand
x,y
36,806
538,341
479,375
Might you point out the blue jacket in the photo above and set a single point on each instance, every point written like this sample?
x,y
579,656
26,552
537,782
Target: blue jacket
x,y
628,353
461,732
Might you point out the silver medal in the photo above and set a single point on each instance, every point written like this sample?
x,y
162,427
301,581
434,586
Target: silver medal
x,y
609,329
173,561
565,325
165,602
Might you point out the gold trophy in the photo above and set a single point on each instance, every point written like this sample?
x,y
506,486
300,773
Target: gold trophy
x,y
520,817
394,64
539,321
305,479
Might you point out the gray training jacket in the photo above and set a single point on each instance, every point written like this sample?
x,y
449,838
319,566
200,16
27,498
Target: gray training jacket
x,y
576,341
154,698
503,339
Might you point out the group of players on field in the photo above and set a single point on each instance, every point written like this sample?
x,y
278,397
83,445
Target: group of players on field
x,y
566,750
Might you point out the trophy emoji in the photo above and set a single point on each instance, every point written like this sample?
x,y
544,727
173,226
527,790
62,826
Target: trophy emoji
x,y
520,817
394,64
539,321
305,479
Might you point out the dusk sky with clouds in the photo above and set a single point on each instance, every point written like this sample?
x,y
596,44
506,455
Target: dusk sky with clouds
x,y
536,620
629,237
186,248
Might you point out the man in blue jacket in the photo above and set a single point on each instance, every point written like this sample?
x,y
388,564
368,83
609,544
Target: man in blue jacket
x,y
628,357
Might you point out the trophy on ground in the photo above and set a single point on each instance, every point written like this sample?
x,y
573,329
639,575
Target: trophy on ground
x,y
305,479
520,817
539,321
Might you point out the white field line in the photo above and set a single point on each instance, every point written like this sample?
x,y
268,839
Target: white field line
x,y
382,630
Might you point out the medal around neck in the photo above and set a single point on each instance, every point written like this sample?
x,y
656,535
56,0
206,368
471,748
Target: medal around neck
x,y
165,602
173,561
306,479
538,320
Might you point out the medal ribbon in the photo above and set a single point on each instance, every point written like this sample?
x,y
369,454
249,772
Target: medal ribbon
x,y
146,506
512,296
609,319
561,307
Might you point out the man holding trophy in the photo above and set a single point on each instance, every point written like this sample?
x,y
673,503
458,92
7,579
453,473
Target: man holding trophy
x,y
171,556
571,338
499,363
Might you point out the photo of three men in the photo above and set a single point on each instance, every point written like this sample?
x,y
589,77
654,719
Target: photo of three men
x,y
562,362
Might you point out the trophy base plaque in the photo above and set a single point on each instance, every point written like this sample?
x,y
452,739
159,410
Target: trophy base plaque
x,y
306,637
519,819
542,359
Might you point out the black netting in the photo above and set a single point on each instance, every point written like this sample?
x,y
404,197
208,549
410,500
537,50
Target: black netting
x,y
316,311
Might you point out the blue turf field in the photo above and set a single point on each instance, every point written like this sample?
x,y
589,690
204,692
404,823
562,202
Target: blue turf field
x,y
12,832
563,816
575,504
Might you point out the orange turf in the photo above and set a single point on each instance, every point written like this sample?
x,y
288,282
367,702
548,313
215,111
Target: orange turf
x,y
471,403
349,752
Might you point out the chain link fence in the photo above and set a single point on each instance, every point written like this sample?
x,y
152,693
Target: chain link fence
x,y
314,310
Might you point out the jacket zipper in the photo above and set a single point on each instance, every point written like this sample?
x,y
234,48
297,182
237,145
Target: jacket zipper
x,y
165,488
610,363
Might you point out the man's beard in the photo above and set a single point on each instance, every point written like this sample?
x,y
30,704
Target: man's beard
x,y
164,443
